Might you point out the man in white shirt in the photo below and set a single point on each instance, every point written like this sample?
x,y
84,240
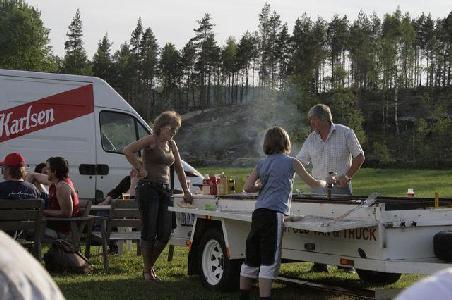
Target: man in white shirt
x,y
331,148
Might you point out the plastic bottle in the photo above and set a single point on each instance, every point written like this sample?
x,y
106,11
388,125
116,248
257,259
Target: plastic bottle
x,y
223,184
206,185
213,185
231,185
410,193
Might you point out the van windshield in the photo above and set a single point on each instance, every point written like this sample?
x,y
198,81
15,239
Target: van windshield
x,y
117,130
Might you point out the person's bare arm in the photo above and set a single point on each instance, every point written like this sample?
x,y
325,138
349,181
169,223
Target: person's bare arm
x,y
180,172
106,201
356,165
63,193
251,184
130,150
33,177
133,184
301,171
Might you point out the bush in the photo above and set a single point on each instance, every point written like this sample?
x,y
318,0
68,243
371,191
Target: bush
x,y
382,153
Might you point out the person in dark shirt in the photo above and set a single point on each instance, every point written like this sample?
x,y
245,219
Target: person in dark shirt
x,y
126,185
14,187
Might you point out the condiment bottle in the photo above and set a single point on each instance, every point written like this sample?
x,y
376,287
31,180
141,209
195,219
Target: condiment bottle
x,y
223,184
410,193
206,185
213,185
231,185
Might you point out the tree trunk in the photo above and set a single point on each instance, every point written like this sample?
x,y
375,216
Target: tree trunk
x,y
396,106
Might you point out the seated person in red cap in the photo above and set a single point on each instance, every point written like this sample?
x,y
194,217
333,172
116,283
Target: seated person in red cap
x,y
15,187
63,199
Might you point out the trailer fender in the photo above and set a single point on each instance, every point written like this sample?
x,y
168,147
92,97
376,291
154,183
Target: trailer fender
x,y
235,234
200,226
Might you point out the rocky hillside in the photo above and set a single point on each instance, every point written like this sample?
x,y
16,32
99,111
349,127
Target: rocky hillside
x,y
232,136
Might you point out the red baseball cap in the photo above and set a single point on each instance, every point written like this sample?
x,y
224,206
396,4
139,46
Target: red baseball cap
x,y
13,160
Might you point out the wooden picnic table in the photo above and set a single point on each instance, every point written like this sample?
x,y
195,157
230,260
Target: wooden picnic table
x,y
77,225
100,207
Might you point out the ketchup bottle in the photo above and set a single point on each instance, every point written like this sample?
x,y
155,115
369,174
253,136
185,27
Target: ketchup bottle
x,y
213,185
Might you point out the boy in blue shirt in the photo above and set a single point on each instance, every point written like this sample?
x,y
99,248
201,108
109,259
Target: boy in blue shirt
x,y
273,180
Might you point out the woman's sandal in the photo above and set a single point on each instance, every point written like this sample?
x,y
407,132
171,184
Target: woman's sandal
x,y
156,278
150,275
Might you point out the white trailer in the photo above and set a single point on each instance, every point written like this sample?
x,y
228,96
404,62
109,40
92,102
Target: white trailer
x,y
381,237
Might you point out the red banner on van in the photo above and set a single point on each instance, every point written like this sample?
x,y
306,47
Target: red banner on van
x,y
46,112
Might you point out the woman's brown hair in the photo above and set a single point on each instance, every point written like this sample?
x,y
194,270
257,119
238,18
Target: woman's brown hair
x,y
166,118
276,141
59,166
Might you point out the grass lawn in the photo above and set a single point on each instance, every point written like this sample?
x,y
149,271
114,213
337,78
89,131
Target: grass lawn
x,y
124,280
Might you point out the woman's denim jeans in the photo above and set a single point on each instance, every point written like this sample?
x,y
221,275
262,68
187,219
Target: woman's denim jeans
x,y
156,219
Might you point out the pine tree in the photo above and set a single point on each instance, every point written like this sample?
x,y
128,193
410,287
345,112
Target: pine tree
x,y
170,71
188,61
229,67
247,52
123,71
147,65
75,60
102,60
201,42
269,28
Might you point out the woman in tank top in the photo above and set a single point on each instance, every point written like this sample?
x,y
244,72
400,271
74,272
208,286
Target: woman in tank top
x,y
152,192
63,199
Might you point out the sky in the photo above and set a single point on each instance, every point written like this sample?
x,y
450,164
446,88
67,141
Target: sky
x,y
174,20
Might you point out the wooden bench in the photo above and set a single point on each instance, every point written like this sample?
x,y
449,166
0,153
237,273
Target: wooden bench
x,y
123,213
23,215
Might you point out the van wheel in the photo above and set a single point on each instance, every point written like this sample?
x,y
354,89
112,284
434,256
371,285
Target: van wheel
x,y
442,243
377,278
217,270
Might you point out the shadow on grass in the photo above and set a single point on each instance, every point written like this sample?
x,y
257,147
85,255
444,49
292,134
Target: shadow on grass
x,y
137,288
173,288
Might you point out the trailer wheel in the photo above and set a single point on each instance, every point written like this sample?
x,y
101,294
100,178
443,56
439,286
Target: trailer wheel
x,y
442,244
377,278
217,270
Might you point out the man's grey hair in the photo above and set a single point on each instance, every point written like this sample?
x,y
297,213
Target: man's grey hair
x,y
321,111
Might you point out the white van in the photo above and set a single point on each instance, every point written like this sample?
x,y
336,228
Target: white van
x,y
80,118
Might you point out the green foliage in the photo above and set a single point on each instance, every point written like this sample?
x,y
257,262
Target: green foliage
x,y
170,70
23,38
75,59
345,110
381,152
308,52
148,52
229,56
102,60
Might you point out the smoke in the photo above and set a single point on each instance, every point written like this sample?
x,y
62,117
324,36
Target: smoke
x,y
275,109
233,135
